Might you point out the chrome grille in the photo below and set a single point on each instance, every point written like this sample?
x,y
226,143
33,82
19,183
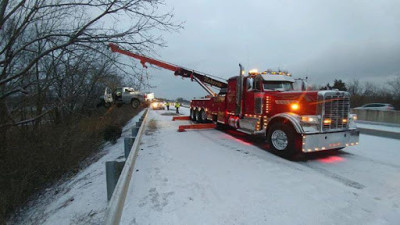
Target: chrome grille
x,y
335,107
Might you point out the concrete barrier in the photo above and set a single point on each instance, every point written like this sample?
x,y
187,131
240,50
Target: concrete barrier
x,y
378,115
380,133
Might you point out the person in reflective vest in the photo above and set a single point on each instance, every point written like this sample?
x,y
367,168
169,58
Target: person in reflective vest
x,y
177,105
167,104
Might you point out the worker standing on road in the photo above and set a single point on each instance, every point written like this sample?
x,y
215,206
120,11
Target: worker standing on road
x,y
167,104
177,105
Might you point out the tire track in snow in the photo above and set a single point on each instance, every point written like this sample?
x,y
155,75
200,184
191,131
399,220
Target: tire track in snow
x,y
366,159
240,148
293,165
346,181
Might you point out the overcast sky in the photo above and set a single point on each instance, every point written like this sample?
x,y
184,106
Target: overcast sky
x,y
324,40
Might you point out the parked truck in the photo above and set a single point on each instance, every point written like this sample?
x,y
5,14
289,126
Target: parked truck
x,y
121,96
265,103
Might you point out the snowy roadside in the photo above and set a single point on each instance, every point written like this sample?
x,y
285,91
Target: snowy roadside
x,y
81,199
215,177
377,126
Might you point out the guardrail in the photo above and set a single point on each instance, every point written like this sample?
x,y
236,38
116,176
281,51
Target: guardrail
x,y
378,115
380,133
116,204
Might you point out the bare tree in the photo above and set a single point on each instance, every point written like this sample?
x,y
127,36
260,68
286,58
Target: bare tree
x,y
38,37
354,87
395,87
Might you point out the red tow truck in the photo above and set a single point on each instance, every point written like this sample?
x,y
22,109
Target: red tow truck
x,y
265,103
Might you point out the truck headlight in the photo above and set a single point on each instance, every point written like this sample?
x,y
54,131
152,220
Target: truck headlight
x,y
311,119
353,117
352,121
310,123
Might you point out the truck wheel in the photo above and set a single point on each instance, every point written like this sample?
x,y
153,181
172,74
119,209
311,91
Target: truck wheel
x,y
198,117
192,115
203,116
284,140
135,103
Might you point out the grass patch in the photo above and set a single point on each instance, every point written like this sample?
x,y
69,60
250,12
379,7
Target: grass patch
x,y
37,158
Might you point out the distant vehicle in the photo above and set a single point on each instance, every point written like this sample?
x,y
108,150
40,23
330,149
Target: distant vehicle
x,y
149,96
377,106
158,105
122,95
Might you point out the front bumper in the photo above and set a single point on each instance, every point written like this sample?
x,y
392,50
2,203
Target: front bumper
x,y
327,141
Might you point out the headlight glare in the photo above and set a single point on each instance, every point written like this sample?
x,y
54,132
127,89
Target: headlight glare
x,y
311,119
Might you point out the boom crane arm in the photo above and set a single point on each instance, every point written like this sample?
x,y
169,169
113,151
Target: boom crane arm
x,y
201,78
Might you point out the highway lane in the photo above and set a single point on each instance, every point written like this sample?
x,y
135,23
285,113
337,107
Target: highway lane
x,y
225,177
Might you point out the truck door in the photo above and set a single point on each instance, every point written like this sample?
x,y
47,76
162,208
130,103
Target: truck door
x,y
231,96
251,96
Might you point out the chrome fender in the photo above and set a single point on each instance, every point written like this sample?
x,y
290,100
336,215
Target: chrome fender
x,y
294,119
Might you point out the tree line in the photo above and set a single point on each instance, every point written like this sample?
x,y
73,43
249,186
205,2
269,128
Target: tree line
x,y
54,65
368,92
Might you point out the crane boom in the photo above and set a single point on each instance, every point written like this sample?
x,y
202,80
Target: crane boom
x,y
199,77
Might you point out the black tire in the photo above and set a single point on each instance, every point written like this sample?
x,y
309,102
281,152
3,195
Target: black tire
x,y
135,103
203,116
276,138
198,118
192,115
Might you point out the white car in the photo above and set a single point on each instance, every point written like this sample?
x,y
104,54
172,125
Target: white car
x,y
377,106
158,105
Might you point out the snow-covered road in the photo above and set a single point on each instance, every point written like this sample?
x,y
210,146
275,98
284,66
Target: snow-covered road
x,y
224,177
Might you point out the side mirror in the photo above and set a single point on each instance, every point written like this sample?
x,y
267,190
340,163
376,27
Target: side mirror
x,y
249,84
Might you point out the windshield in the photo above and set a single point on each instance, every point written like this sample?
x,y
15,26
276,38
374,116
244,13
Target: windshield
x,y
129,90
278,86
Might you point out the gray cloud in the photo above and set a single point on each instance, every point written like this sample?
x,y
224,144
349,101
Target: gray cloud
x,y
319,39
361,60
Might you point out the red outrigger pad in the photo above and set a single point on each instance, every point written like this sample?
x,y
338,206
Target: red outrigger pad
x,y
196,126
180,118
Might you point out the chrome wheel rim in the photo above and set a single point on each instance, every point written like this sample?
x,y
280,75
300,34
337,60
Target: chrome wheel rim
x,y
279,139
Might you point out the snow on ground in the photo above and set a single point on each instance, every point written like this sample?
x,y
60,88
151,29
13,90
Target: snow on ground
x,y
224,177
377,126
80,200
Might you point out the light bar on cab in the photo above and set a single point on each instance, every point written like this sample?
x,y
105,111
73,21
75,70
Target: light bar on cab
x,y
270,72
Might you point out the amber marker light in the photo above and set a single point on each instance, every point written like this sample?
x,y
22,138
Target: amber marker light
x,y
295,106
327,121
